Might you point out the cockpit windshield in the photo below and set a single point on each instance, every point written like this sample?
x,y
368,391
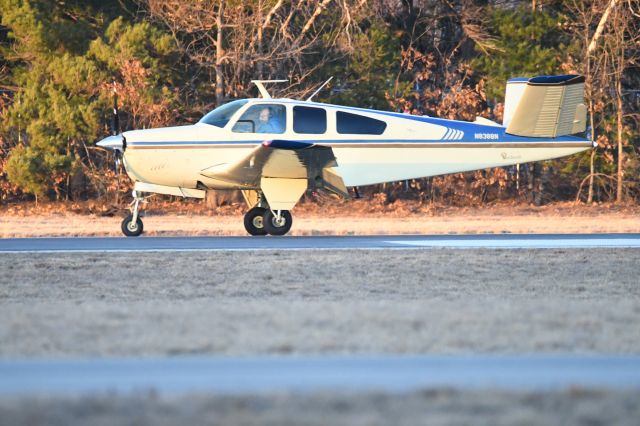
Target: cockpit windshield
x,y
220,116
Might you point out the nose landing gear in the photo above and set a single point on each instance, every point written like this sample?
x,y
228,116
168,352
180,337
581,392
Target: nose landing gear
x,y
132,225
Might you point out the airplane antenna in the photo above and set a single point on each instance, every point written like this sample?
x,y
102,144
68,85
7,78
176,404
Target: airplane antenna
x,y
319,89
261,88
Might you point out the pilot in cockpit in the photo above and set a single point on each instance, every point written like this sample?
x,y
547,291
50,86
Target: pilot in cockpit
x,y
268,123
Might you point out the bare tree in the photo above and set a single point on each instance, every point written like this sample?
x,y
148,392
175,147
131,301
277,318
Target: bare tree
x,y
584,15
622,46
259,38
608,52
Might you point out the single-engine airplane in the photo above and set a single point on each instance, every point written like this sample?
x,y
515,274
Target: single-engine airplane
x,y
273,150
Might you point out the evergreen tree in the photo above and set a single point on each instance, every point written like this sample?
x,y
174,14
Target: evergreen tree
x,y
367,77
64,57
527,43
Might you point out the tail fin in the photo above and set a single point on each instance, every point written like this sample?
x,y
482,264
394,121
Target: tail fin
x,y
546,106
513,94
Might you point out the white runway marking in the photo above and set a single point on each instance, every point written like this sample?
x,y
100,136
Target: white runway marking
x,y
307,374
545,243
382,242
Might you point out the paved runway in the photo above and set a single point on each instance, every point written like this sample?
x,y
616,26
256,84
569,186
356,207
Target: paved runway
x,y
301,374
184,244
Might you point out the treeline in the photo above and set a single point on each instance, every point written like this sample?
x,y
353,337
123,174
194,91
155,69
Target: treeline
x,y
171,61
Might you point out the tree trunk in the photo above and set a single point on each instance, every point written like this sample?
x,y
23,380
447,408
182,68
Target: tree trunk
x,y
601,24
619,114
591,124
259,42
218,198
591,172
219,56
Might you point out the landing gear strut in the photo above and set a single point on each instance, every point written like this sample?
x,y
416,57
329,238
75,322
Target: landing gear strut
x,y
132,224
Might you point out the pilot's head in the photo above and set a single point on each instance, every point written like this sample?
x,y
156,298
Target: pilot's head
x,y
265,114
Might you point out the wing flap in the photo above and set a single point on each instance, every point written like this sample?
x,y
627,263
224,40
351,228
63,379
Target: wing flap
x,y
282,159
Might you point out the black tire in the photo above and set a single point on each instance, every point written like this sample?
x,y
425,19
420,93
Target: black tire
x,y
129,229
272,226
254,222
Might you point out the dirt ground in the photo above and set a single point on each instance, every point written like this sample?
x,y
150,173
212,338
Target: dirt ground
x,y
361,217
429,407
314,302
176,225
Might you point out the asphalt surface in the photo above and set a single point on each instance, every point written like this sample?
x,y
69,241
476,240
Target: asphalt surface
x,y
184,244
308,374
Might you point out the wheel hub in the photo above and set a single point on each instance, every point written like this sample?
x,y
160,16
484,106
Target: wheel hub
x,y
279,221
257,222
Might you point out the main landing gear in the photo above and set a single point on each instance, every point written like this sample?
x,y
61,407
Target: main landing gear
x,y
263,221
132,224
260,220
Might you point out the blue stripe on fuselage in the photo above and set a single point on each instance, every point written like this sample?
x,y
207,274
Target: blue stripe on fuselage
x,y
365,141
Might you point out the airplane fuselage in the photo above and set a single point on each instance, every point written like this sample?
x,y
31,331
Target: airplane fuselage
x,y
408,147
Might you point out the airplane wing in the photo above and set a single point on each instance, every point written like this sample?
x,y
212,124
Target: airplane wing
x,y
283,159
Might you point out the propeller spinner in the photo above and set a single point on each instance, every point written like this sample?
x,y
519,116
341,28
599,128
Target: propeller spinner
x,y
113,143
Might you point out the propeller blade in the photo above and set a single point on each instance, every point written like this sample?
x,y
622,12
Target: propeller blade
x,y
117,160
115,124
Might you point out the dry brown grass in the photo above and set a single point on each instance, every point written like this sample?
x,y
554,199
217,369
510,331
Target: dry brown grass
x,y
433,407
320,302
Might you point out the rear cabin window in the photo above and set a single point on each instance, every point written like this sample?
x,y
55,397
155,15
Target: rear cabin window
x,y
309,120
354,124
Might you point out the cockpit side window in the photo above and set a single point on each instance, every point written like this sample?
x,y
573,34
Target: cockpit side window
x,y
354,124
220,116
309,120
262,119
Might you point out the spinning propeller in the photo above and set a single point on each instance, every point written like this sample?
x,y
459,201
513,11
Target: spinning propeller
x,y
115,127
116,142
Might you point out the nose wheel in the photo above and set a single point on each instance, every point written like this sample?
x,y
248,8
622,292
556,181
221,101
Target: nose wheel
x,y
132,224
132,228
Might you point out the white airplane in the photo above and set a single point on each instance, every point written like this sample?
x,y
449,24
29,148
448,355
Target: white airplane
x,y
273,150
